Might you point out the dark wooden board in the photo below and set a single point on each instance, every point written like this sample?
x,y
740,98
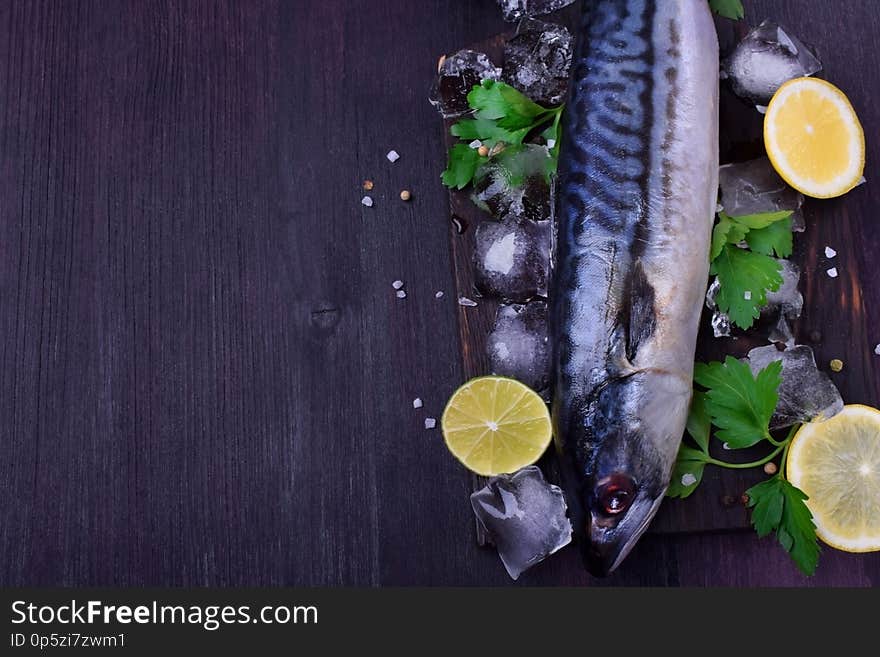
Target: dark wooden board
x,y
205,376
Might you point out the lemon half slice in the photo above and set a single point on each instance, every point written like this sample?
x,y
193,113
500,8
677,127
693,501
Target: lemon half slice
x,y
836,462
814,139
495,425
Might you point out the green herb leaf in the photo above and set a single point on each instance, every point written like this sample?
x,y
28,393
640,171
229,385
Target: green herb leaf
x,y
778,506
501,102
762,220
726,231
744,278
739,404
487,131
728,8
775,238
463,164
687,473
699,423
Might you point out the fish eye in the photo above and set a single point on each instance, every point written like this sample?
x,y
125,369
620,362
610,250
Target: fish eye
x,y
615,494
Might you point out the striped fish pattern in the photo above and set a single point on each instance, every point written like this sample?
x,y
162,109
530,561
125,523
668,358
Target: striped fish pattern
x,y
636,196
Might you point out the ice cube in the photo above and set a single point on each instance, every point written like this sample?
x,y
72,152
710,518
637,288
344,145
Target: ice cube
x,y
754,187
765,59
514,182
518,344
537,61
781,332
525,517
512,259
513,10
805,393
457,75
787,300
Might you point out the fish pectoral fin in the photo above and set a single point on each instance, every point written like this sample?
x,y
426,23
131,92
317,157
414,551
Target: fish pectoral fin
x,y
642,317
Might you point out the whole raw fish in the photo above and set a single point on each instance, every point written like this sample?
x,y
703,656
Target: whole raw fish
x,y
636,198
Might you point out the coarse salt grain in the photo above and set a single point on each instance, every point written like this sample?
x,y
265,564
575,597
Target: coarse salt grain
x,y
417,402
747,295
829,252
688,479
877,350
366,200
464,301
438,294
551,143
476,143
430,423
832,272
401,294
393,156
397,285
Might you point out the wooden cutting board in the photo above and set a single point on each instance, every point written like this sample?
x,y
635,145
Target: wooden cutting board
x,y
833,321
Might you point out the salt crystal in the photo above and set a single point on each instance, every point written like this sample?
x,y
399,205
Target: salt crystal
x,y
762,109
688,479
747,295
877,350
430,423
829,252
393,156
464,301
551,143
417,402
438,294
725,446
397,285
366,200
832,272
401,294
476,143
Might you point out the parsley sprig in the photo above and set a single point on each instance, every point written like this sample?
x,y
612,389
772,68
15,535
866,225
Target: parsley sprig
x,y
746,275
503,117
728,8
740,405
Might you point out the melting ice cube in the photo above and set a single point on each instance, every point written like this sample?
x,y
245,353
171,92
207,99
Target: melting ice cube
x,y
768,57
513,10
512,259
518,345
754,187
457,76
805,393
537,61
525,517
787,300
514,182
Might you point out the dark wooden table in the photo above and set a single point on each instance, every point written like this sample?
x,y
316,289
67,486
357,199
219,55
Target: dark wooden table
x,y
205,375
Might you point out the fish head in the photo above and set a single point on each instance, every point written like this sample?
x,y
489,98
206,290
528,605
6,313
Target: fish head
x,y
634,431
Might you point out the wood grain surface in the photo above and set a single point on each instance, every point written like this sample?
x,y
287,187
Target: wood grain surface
x,y
205,375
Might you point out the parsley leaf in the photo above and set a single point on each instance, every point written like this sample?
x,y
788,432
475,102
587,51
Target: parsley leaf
x,y
687,473
728,8
726,231
778,506
744,278
775,238
762,220
739,404
463,164
487,131
501,102
699,423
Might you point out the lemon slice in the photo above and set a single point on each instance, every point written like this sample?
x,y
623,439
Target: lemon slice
x,y
494,425
836,462
814,139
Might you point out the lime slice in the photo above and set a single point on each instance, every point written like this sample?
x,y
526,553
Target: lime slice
x,y
495,425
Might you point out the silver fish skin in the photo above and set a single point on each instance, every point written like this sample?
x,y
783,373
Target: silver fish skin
x,y
637,191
